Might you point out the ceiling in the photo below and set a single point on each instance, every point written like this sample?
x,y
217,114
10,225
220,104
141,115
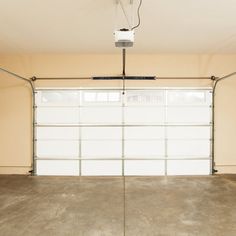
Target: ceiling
x,y
86,26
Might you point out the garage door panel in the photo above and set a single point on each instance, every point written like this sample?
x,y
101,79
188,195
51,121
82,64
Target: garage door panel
x,y
144,115
55,115
191,148
196,115
102,168
144,133
110,133
188,132
102,149
57,167
58,148
188,167
96,115
57,133
144,148
148,167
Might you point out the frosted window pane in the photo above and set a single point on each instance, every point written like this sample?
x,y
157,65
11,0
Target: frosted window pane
x,y
145,97
188,97
102,97
89,97
114,97
57,98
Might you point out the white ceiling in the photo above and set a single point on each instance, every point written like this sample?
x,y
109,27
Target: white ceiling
x,y
86,26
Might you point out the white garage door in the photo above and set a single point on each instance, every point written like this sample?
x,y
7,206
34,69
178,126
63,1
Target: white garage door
x,y
144,132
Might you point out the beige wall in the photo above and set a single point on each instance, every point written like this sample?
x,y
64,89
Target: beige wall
x,y
15,129
15,103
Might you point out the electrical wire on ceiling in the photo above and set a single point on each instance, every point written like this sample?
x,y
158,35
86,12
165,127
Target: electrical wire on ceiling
x,y
138,13
127,17
125,14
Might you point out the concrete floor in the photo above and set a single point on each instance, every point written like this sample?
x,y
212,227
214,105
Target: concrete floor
x,y
92,206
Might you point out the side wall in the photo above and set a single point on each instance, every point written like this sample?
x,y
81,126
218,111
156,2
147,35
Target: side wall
x,y
15,101
15,130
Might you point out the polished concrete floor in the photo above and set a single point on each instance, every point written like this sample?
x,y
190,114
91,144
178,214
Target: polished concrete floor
x,y
89,206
